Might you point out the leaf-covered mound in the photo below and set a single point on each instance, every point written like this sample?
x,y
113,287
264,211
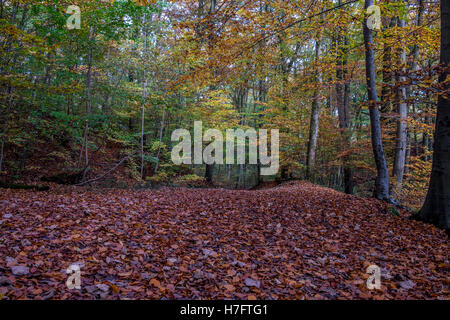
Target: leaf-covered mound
x,y
296,241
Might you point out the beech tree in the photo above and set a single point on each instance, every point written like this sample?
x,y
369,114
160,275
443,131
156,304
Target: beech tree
x,y
436,208
314,122
382,179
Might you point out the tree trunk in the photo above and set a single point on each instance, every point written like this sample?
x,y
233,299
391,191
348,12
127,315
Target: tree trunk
x,y
161,131
436,208
402,110
382,180
1,153
386,89
88,103
414,68
144,96
209,172
314,122
343,101
415,51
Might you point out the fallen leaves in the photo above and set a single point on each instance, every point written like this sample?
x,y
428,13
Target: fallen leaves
x,y
249,282
408,284
155,282
20,270
113,287
296,241
229,287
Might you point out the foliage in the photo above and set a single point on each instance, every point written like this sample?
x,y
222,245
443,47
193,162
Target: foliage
x,y
248,65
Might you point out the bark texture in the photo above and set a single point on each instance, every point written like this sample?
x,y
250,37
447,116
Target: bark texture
x,y
436,208
382,180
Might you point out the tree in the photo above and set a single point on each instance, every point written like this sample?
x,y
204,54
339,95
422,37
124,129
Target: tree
x,y
314,122
209,168
436,208
342,100
382,180
402,110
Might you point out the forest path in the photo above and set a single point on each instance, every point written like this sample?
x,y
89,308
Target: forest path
x,y
295,241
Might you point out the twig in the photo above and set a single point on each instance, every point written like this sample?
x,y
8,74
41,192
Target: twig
x,y
104,175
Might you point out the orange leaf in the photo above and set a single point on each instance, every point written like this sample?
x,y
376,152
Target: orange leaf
x,y
155,283
113,287
229,287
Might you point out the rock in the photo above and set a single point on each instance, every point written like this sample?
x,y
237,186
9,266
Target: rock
x,y
20,270
249,282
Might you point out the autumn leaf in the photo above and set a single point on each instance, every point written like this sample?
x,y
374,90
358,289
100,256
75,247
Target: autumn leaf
x,y
155,283
229,287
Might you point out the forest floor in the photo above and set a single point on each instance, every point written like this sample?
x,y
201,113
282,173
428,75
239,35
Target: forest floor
x,y
294,241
